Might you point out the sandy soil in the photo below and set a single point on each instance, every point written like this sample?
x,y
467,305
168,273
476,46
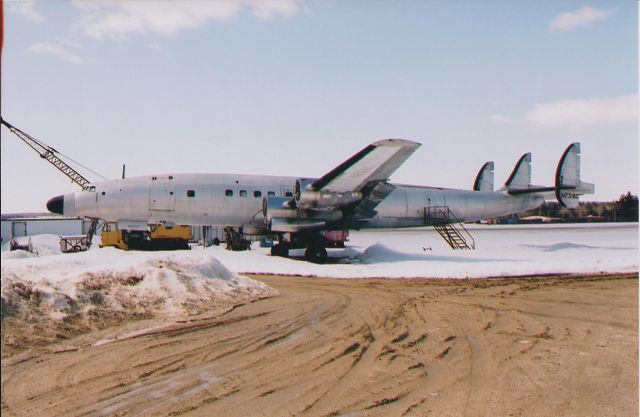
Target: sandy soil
x,y
562,346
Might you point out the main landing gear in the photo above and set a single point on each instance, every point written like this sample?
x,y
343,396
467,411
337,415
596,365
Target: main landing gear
x,y
280,249
315,253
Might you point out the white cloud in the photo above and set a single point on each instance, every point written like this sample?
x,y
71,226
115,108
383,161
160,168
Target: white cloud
x,y
267,9
577,114
583,17
56,50
26,9
502,119
119,19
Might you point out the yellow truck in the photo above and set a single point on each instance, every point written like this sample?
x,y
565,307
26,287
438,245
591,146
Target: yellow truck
x,y
156,237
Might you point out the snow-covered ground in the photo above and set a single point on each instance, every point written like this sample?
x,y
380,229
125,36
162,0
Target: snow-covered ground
x,y
500,251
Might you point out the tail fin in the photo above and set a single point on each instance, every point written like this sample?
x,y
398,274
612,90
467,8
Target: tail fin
x,y
520,177
568,185
484,179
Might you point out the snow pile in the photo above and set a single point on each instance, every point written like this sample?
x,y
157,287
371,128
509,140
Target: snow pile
x,y
42,245
109,284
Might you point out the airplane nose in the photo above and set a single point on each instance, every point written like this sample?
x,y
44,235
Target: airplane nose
x,y
56,204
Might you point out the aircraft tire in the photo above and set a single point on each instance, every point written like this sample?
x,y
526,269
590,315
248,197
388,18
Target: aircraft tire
x,y
315,254
280,250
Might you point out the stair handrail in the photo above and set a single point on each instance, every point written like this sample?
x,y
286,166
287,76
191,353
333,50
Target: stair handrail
x,y
442,215
473,241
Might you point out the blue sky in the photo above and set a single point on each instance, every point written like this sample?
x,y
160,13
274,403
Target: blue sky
x,y
294,88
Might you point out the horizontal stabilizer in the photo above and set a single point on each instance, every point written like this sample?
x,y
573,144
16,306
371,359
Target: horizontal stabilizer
x,y
484,179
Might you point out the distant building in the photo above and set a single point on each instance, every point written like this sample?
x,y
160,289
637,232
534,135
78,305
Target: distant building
x,y
540,219
29,224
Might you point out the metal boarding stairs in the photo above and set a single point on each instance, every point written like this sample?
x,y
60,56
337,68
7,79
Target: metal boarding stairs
x,y
449,227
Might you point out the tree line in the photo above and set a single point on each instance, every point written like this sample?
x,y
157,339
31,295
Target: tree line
x,y
624,209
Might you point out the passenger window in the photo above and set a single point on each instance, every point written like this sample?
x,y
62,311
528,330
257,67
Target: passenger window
x,y
271,193
228,193
257,194
191,193
243,193
288,194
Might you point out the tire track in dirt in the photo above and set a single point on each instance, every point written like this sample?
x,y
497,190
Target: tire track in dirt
x,y
329,347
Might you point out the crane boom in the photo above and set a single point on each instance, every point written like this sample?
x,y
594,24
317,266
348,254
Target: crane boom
x,y
47,152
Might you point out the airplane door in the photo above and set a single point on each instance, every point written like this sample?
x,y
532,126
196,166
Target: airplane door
x,y
18,229
217,194
435,201
435,198
162,194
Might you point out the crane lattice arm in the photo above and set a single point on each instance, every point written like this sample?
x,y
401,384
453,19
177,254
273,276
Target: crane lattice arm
x,y
48,153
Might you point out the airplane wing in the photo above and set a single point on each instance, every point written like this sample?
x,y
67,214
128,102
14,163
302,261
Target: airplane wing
x,y
374,163
347,195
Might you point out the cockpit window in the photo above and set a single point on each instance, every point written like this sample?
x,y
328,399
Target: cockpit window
x,y
91,188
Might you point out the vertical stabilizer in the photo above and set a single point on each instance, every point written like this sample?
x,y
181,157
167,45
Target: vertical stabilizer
x,y
484,179
568,185
520,177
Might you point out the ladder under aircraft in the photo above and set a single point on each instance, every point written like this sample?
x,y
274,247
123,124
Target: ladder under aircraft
x,y
449,227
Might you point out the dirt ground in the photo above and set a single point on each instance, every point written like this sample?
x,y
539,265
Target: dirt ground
x,y
561,346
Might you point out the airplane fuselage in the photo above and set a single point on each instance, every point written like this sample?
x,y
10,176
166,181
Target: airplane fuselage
x,y
228,199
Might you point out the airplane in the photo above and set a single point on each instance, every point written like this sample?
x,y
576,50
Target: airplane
x,y
313,214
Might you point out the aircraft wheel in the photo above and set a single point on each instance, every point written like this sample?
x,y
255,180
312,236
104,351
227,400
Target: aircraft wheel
x,y
315,254
280,250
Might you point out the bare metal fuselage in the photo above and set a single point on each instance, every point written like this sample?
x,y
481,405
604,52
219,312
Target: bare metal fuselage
x,y
227,199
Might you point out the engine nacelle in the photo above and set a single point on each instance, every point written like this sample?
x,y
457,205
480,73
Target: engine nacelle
x,y
278,207
307,198
326,199
303,185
